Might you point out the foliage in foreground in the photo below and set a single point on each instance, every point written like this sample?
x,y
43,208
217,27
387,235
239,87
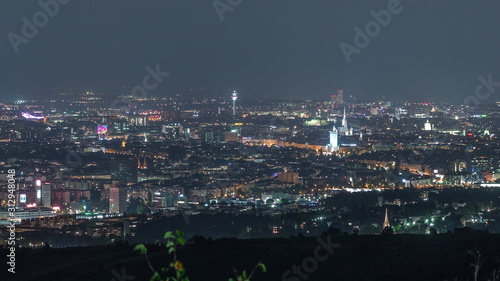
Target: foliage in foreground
x,y
176,271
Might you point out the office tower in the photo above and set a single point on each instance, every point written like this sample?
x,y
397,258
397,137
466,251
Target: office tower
x,y
420,110
119,126
38,188
117,200
333,99
340,96
338,99
397,113
173,131
138,121
468,152
46,193
209,136
170,200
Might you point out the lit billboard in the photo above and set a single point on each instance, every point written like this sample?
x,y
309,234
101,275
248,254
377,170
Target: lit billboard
x,y
102,129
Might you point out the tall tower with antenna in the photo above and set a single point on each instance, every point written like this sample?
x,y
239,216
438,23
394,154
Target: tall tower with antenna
x,y
234,97
344,120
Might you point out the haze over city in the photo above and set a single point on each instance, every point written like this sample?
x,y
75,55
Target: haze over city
x,y
431,51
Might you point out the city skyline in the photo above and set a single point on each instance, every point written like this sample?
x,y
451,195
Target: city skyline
x,y
250,140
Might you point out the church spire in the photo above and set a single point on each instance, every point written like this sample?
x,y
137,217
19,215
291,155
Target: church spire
x,y
387,225
386,221
344,120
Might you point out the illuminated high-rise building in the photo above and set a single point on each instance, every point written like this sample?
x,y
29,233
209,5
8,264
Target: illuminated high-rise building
x,y
420,110
334,139
38,185
117,200
340,96
338,99
468,152
119,126
43,193
46,193
138,120
397,113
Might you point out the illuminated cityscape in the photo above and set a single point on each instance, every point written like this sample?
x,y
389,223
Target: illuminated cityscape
x,y
227,140
204,159
83,170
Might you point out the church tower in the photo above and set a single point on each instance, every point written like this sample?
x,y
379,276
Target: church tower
x,y
386,221
387,225
344,130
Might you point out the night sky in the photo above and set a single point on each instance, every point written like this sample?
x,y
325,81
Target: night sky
x,y
430,51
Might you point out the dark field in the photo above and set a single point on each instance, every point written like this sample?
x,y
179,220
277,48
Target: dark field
x,y
381,257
